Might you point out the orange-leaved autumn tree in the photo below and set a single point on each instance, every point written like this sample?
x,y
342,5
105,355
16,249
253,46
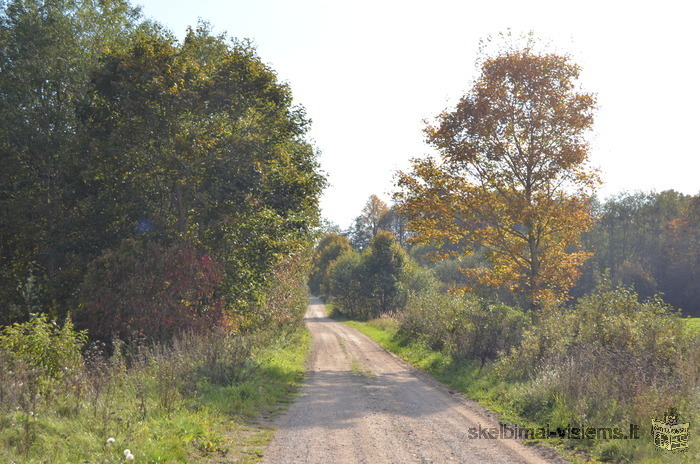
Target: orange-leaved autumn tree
x,y
513,177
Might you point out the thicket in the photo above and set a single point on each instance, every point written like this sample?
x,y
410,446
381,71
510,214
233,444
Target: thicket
x,y
463,326
609,359
161,195
62,398
649,241
148,184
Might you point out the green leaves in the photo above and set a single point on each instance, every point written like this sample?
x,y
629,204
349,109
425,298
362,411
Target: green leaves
x,y
47,50
651,242
50,352
201,139
329,249
135,136
369,284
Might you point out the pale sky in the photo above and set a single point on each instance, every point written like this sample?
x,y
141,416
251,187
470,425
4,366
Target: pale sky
x,y
369,72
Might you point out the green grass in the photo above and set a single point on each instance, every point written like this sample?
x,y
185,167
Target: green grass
x,y
693,323
485,387
466,377
209,424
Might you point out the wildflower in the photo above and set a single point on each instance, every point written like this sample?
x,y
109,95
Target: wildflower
x,y
110,441
127,452
129,457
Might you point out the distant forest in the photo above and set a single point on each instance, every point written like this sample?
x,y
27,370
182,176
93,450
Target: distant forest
x,y
651,242
647,241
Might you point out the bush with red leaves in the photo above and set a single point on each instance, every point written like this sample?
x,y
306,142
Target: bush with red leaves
x,y
148,288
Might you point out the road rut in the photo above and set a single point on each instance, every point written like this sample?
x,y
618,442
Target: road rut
x,y
361,404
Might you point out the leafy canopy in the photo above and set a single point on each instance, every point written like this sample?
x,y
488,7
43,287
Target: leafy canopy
x,y
512,177
114,133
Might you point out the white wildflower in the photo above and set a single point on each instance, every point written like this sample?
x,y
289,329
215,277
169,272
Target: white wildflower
x,y
129,457
127,452
110,441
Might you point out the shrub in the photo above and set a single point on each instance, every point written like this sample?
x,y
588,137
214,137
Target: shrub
x,y
464,326
38,360
287,295
609,357
418,280
42,349
148,288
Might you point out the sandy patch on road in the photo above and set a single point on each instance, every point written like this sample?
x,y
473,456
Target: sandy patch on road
x,y
360,404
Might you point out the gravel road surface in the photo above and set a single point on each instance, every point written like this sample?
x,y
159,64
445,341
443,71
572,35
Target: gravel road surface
x,y
361,404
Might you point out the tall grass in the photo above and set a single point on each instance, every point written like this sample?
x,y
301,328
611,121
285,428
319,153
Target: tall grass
x,y
190,400
608,361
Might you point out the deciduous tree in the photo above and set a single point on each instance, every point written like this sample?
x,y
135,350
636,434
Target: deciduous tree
x,y
201,140
386,264
329,249
111,130
369,284
47,50
369,222
512,176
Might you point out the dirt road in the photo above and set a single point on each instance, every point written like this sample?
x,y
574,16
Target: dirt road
x,y
360,404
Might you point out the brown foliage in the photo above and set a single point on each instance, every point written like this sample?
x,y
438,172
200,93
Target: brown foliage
x,y
512,177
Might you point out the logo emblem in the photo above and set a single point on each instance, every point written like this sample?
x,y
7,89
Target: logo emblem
x,y
669,434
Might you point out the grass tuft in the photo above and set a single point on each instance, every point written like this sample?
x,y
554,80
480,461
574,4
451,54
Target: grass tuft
x,y
192,401
504,397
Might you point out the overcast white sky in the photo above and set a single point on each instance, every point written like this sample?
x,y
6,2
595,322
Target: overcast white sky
x,y
369,72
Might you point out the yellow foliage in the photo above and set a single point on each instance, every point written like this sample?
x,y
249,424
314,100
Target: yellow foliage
x,y
512,178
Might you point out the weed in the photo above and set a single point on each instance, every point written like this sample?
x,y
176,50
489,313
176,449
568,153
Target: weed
x,y
178,402
596,387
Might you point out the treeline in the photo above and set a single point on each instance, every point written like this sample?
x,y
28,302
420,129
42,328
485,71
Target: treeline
x,y
376,215
611,355
650,242
147,184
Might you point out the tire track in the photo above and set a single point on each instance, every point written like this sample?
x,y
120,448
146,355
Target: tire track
x,y
361,404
